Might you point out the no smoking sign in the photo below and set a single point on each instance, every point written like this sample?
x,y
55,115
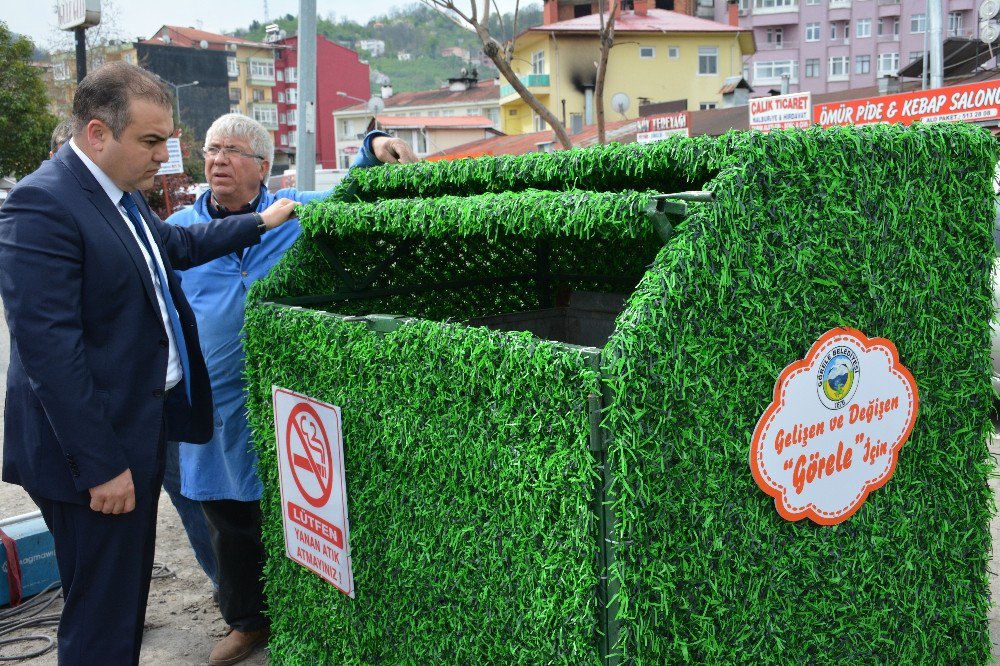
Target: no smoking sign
x,y
313,492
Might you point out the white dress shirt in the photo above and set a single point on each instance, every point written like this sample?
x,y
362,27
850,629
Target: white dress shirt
x,y
174,371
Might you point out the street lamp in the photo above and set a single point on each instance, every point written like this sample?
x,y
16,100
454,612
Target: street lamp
x,y
177,94
356,99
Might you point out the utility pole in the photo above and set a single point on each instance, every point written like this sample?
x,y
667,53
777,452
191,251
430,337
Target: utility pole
x,y
305,136
936,42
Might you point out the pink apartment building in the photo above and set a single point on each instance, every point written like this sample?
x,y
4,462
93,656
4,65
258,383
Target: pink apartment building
x,y
834,45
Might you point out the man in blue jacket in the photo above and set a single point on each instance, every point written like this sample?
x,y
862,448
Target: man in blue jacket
x,y
105,362
222,475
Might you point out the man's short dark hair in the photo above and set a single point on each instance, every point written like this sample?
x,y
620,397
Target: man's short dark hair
x,y
60,135
105,95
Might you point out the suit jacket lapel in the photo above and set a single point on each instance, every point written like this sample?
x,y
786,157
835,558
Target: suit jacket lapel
x,y
112,216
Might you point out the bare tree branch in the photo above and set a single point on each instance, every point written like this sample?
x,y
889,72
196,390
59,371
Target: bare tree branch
x,y
607,35
501,57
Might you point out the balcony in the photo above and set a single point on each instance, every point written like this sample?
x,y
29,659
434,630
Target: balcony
x,y
840,4
763,7
265,113
888,8
530,81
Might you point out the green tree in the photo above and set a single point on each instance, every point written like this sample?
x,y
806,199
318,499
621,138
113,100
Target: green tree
x,y
25,122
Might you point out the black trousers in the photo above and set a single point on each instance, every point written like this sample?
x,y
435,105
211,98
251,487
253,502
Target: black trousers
x,y
236,539
105,563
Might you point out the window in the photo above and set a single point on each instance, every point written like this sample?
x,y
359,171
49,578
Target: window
x,y
705,106
888,64
775,69
575,123
881,27
775,37
265,115
673,52
863,64
812,2
232,67
916,55
261,70
234,94
291,75
284,139
234,109
292,96
257,95
708,59
447,112
954,23
538,62
833,31
812,32
812,68
895,26
60,72
918,23
281,119
775,4
539,122
345,128
647,51
839,68
281,97
129,59
863,28
293,137
279,74
472,111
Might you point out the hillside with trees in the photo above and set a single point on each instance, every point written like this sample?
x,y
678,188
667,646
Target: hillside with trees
x,y
416,30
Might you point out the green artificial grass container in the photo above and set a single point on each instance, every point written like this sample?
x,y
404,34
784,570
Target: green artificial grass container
x,y
547,443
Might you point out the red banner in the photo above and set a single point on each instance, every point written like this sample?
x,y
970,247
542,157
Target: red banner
x,y
971,102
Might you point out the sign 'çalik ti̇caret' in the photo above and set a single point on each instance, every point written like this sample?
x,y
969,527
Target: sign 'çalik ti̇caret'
x,y
833,431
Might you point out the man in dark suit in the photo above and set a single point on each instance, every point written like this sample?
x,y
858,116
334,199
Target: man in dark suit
x,y
105,359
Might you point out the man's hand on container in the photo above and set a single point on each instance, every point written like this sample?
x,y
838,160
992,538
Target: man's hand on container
x,y
392,150
278,213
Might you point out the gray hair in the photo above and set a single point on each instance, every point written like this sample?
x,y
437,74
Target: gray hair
x,y
106,93
60,135
244,128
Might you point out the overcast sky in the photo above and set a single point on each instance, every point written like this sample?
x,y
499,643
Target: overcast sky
x,y
141,18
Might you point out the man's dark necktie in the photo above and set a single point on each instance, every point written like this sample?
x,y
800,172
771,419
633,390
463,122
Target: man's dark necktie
x,y
128,203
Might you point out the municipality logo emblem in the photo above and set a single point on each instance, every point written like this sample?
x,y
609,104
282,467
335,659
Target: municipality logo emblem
x,y
838,377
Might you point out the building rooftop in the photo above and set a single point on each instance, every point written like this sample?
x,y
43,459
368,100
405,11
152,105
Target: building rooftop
x,y
182,36
620,130
656,21
446,122
485,91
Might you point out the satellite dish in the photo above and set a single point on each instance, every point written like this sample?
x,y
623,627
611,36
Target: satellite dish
x,y
203,43
988,9
375,105
989,31
165,39
620,102
464,72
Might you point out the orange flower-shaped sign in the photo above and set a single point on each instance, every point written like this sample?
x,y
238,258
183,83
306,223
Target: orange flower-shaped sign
x,y
833,431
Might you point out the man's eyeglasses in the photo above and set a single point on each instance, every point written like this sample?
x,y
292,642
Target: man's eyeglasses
x,y
228,151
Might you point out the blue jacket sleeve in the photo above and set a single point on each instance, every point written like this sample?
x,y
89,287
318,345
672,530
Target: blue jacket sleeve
x,y
366,156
